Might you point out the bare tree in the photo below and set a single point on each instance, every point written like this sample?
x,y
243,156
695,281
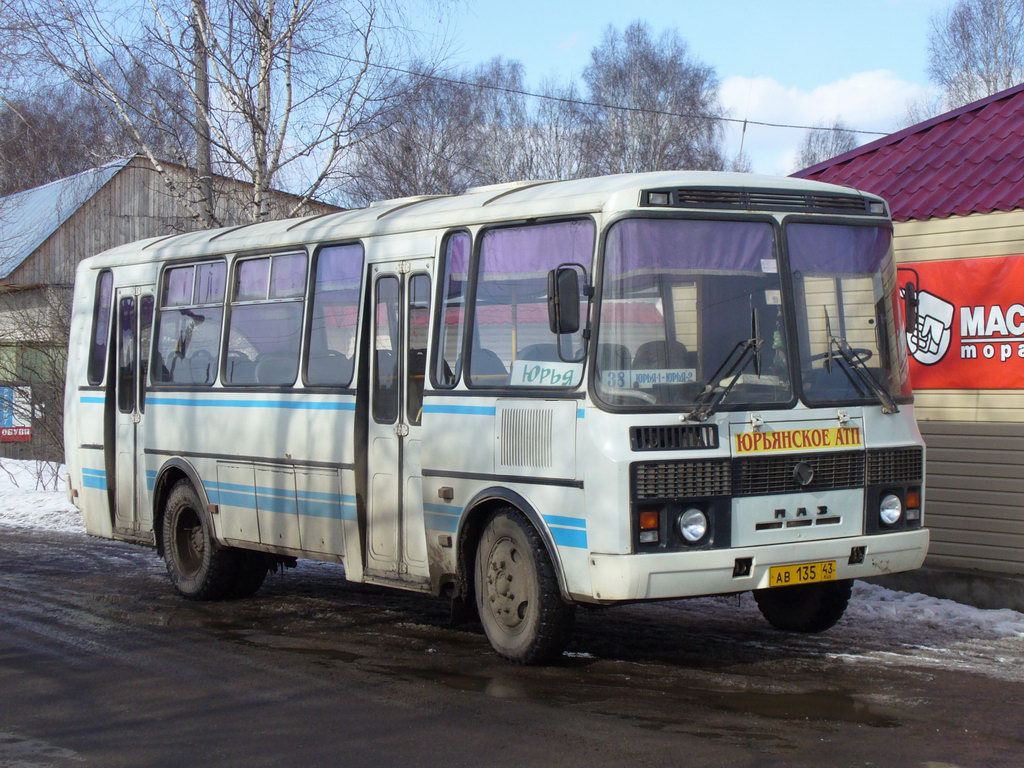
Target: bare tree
x,y
650,78
56,131
448,133
976,48
824,143
291,86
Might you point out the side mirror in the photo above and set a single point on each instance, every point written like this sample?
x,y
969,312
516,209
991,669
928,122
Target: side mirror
x,y
563,300
910,302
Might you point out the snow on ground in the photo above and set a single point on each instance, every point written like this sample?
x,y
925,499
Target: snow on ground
x,y
32,495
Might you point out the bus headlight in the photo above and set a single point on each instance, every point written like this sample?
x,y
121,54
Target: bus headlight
x,y
891,509
693,524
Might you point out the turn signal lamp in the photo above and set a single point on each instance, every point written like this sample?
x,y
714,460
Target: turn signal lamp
x,y
649,524
914,504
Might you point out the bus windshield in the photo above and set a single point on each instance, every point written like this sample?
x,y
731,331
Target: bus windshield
x,y
846,313
690,307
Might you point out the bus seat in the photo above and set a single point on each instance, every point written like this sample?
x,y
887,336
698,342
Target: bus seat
x,y
275,370
485,367
661,355
613,357
328,367
541,353
240,369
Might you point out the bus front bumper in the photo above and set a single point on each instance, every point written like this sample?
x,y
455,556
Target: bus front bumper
x,y
711,572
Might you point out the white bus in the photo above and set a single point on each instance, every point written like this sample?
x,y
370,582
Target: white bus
x,y
526,397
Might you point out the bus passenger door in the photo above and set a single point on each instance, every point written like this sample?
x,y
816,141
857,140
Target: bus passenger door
x,y
396,539
134,322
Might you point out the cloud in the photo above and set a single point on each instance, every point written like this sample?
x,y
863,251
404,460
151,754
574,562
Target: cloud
x,y
874,101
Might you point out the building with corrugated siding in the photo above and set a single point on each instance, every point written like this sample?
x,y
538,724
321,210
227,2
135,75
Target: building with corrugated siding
x,y
955,185
44,233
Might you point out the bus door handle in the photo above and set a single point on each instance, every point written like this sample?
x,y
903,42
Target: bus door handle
x,y
401,430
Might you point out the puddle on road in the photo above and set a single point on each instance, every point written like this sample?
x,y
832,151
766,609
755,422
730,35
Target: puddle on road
x,y
603,691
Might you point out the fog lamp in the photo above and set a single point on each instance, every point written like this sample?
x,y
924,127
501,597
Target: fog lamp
x,y
693,524
891,509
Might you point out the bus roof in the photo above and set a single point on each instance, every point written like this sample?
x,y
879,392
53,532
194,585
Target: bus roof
x,y
479,205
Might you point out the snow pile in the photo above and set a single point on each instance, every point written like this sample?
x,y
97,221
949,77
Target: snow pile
x,y
27,498
873,603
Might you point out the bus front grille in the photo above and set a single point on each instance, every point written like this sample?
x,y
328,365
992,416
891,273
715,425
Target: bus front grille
x,y
681,479
776,474
895,465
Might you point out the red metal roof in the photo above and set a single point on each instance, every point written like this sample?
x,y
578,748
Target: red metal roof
x,y
970,160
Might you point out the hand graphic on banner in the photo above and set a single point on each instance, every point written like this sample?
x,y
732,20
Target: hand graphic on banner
x,y
928,341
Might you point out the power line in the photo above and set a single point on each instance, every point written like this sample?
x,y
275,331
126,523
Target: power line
x,y
584,103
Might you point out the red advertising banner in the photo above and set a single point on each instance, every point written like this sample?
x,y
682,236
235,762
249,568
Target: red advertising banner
x,y
970,325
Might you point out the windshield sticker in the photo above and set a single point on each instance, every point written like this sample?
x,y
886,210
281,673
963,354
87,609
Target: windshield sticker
x,y
646,379
773,298
531,373
769,265
820,438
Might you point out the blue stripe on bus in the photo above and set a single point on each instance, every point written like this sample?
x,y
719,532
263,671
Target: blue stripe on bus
x,y
94,478
569,522
580,413
445,523
297,405
281,500
323,509
92,399
441,517
569,537
472,410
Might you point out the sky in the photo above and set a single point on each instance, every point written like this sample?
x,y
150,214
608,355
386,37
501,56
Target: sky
x,y
790,61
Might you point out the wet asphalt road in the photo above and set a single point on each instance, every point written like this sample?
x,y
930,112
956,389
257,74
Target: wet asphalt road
x,y
101,664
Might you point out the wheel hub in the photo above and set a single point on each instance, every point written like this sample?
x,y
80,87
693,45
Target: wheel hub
x,y
507,580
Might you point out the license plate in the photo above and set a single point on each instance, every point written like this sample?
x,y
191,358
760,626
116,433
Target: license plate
x,y
802,573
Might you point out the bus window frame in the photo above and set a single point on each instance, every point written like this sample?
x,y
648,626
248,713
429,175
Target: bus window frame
x,y
436,347
574,392
230,304
788,285
784,285
307,319
97,311
158,317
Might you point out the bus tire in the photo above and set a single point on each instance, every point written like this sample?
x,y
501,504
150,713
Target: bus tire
x,y
805,608
199,567
517,595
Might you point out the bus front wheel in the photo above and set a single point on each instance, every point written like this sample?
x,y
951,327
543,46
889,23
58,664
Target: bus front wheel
x,y
517,594
199,568
806,607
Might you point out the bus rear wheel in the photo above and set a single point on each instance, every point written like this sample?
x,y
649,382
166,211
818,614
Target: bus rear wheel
x,y
517,595
199,568
805,608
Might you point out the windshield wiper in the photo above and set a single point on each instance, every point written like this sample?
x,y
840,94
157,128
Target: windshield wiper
x,y
729,371
855,367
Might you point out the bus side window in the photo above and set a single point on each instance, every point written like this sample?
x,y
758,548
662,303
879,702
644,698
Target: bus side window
x,y
265,326
416,333
333,316
145,333
101,327
126,365
452,306
385,349
189,321
513,344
